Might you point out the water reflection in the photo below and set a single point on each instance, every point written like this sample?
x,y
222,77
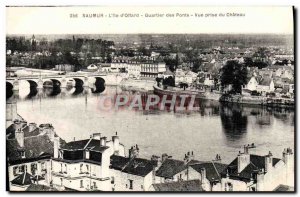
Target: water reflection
x,y
222,128
234,123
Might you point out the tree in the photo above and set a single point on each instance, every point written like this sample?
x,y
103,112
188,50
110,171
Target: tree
x,y
197,64
235,74
169,81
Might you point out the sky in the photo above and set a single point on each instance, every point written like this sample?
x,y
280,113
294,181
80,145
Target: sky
x,y
57,20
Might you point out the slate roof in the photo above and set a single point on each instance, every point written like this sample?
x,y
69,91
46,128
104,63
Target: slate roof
x,y
213,170
181,186
257,162
92,144
135,166
22,179
10,131
37,188
171,167
265,81
34,147
284,188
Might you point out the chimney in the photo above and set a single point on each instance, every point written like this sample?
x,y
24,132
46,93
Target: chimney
x,y
116,143
32,126
133,152
203,175
155,161
56,146
103,141
268,162
19,134
96,136
260,180
164,157
243,159
188,157
18,124
130,153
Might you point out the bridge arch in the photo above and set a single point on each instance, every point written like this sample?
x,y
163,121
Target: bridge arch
x,y
99,85
32,83
9,89
78,82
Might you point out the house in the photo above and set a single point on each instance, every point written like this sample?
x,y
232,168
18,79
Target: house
x,y
261,85
248,172
185,76
83,165
131,173
181,186
209,173
170,170
28,157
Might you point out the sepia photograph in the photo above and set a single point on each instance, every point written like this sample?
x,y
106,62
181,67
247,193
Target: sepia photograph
x,y
150,99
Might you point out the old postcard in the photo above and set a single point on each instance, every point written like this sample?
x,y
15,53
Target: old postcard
x,y
150,99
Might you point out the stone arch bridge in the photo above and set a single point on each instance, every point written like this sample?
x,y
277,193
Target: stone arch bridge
x,y
61,80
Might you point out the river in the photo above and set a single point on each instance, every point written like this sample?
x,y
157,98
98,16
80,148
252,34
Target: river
x,y
214,129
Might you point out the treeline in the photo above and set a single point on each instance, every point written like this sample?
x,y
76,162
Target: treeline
x,y
79,52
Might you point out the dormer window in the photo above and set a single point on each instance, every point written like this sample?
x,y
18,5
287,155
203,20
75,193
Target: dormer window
x,y
87,154
22,153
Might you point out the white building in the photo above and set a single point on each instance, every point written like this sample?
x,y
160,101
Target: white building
x,y
152,69
131,173
258,173
84,165
134,69
184,77
29,152
264,85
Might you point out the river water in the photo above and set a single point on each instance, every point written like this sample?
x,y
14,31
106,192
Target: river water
x,y
214,129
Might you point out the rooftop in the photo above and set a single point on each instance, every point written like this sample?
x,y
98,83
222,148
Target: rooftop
x,y
181,186
34,147
257,162
135,166
213,170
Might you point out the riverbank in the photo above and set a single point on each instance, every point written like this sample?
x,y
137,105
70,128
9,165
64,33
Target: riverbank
x,y
192,92
139,85
259,100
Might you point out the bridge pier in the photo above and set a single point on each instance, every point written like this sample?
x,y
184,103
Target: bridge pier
x,y
16,85
63,83
86,85
40,83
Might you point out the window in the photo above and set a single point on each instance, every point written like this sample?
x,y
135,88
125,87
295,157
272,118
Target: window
x,y
22,168
230,187
15,170
33,168
130,184
61,166
43,166
81,165
81,183
65,169
87,168
61,182
22,154
112,181
95,185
